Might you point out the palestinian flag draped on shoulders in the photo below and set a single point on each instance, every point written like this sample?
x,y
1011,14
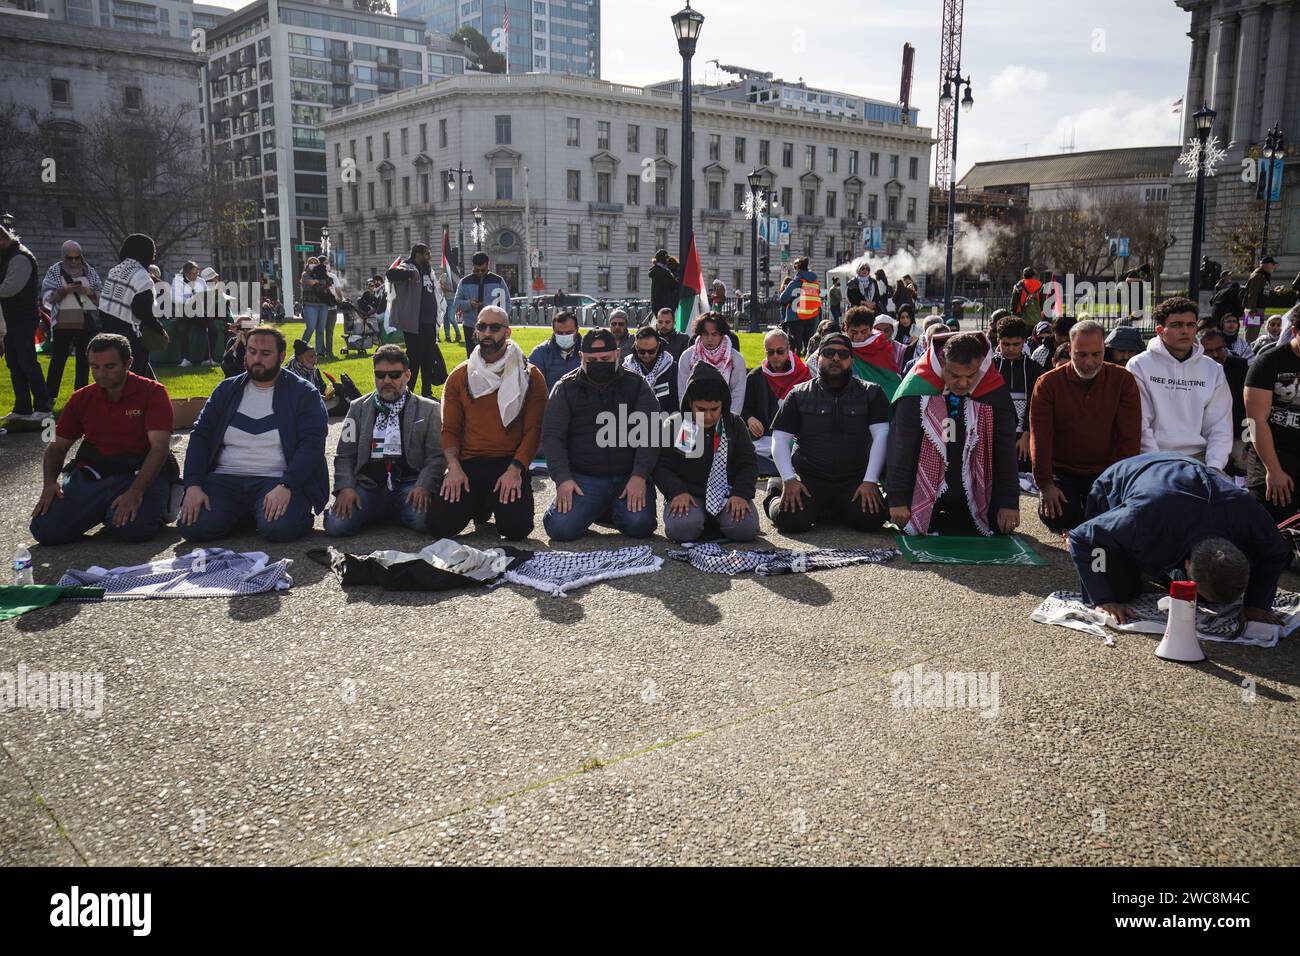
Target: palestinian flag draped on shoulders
x,y
874,361
688,296
926,376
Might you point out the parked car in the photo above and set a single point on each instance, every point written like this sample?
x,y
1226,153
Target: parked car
x,y
583,305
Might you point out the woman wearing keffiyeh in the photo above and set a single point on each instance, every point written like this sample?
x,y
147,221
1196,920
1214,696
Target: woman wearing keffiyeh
x,y
713,346
952,444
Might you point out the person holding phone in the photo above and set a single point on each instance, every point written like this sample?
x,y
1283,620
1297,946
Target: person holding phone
x,y
70,290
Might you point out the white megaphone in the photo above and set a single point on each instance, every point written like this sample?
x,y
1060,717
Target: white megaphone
x,y
1180,642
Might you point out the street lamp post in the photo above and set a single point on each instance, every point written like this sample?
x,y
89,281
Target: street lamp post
x,y
755,185
1274,149
480,231
687,24
1204,119
456,177
951,86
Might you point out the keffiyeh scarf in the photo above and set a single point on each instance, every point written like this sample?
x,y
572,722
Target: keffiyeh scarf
x,y
719,358
718,488
125,281
932,468
558,572
508,377
656,378
781,382
204,572
714,559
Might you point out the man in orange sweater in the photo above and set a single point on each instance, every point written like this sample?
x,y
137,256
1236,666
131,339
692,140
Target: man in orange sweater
x,y
1084,417
492,409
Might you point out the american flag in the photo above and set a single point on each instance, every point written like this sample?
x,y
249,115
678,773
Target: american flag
x,y
505,29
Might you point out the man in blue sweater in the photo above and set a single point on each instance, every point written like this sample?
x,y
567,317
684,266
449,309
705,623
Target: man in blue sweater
x,y
481,287
257,453
1151,516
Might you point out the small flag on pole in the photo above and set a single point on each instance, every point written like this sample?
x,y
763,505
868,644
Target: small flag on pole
x,y
688,298
1178,105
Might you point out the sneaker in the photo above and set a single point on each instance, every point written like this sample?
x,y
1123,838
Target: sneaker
x,y
208,362
186,363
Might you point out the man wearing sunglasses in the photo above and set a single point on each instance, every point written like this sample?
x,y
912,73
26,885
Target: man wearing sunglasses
x,y
653,363
765,387
601,470
841,427
389,462
491,426
480,288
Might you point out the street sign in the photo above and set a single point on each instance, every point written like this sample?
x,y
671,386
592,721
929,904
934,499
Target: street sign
x,y
785,233
785,253
302,248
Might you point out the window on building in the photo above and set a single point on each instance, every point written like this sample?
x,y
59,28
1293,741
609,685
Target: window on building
x,y
764,152
60,92
575,238
505,182
424,187
911,209
740,149
574,127
810,202
633,238
373,249
787,155
808,244
913,167
602,238
633,138
738,197
69,217
715,195
388,242
338,155
715,241
338,198
809,158
853,162
715,146
406,140
388,194
830,204
442,134
602,134
830,247
633,190
633,278
832,159
406,195
873,164
661,140
370,149
737,279
133,99
575,278
370,195
574,185
661,190
503,130
661,237
602,278
873,206
787,199
738,249
387,152
424,137
406,237
604,187
893,167
352,150
893,209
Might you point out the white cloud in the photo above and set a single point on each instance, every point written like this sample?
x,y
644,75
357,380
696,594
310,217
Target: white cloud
x,y
1017,81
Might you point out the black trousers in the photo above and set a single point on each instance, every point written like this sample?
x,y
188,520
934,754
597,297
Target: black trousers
x,y
827,501
25,370
68,342
1076,489
426,359
470,340
515,520
1256,482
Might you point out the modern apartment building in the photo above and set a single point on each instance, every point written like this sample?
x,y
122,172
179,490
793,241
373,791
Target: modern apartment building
x,y
175,18
545,36
757,86
596,165
270,86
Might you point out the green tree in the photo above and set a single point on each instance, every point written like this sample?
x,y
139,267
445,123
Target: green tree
x,y
478,44
373,6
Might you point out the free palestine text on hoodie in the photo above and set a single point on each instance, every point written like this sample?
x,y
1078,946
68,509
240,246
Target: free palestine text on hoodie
x,y
1186,406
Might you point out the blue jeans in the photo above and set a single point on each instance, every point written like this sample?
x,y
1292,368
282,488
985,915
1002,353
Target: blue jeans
x,y
237,501
374,505
600,500
314,316
450,326
87,503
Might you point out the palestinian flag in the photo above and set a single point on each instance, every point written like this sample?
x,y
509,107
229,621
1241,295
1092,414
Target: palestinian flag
x,y
873,361
926,376
688,296
446,260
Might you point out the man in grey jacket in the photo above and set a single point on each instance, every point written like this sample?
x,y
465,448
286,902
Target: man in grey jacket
x,y
389,460
417,300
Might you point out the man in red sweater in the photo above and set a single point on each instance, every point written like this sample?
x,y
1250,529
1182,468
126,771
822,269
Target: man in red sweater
x,y
1084,417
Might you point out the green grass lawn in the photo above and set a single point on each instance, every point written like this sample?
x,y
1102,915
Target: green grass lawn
x,y
200,380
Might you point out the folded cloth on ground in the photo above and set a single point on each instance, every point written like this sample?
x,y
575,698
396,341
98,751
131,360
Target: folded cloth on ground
x,y
967,549
714,559
204,572
558,572
18,599
1028,485
1067,609
443,566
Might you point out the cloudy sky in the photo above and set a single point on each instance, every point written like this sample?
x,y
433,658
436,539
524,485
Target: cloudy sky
x,y
1105,72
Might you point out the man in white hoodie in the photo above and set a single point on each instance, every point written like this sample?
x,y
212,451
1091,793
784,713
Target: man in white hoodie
x,y
1186,402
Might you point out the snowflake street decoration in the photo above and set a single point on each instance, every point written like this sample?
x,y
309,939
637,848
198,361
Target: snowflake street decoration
x,y
1191,156
749,206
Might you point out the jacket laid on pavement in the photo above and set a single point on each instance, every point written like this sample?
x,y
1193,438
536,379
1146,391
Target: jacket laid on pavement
x,y
677,472
421,426
1186,406
1145,514
589,430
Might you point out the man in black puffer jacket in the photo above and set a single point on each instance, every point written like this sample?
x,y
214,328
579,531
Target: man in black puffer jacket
x,y
709,487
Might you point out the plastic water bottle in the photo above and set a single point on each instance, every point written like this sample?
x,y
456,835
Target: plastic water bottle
x,y
23,566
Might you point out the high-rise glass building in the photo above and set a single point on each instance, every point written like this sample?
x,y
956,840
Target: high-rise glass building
x,y
545,36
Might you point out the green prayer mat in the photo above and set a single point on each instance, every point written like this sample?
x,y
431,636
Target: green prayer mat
x,y
18,599
967,549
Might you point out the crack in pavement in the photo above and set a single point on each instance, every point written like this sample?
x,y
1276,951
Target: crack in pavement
x,y
49,810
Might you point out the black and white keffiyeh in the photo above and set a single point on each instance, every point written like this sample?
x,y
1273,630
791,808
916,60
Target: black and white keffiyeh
x,y
204,572
714,559
386,438
718,488
656,378
125,281
558,572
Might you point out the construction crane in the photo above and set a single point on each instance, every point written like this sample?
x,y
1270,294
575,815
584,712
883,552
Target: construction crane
x,y
949,65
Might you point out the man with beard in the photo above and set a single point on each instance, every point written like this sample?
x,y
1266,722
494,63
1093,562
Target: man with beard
x,y
257,452
600,460
1234,370
1020,372
121,477
675,342
492,410
952,443
389,461
841,427
652,362
417,300
618,325
765,388
1086,416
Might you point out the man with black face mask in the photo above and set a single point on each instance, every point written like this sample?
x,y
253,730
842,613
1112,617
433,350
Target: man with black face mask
x,y
601,437
491,427
841,426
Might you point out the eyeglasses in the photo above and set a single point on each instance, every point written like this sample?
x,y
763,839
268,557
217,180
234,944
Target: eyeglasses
x,y
493,327
776,351
73,258
392,375
835,353
648,353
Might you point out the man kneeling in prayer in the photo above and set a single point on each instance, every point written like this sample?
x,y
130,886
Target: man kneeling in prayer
x,y
1164,515
710,486
389,459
